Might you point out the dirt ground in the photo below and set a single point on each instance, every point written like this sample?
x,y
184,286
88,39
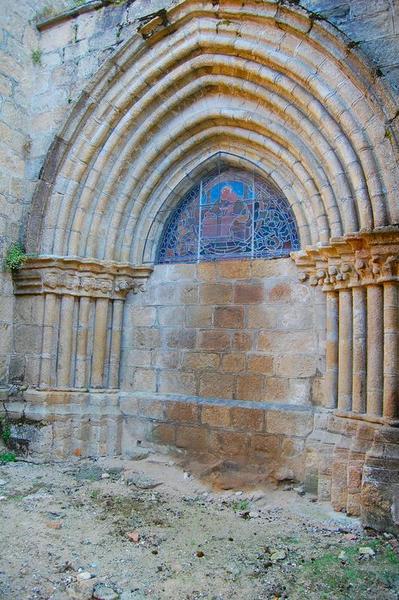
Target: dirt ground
x,y
137,529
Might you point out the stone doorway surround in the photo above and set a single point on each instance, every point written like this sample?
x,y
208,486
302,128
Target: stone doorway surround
x,y
287,93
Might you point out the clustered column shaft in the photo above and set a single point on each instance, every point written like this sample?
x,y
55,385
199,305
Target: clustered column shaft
x,y
391,350
374,349
331,350
362,350
78,304
359,381
345,350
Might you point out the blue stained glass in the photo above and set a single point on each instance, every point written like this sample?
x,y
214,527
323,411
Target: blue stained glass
x,y
230,214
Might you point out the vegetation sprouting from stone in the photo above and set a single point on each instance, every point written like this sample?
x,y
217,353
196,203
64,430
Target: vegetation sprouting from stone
x,y
37,56
15,257
5,430
7,457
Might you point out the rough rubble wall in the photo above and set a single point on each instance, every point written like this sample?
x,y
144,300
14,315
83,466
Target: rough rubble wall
x,y
17,40
236,330
372,25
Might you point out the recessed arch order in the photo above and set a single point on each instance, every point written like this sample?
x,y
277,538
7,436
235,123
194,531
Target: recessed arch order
x,y
263,84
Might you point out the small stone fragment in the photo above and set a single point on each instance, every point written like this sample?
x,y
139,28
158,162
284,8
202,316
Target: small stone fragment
x,y
133,536
200,553
85,576
105,476
350,536
142,481
366,551
104,592
54,524
138,453
342,556
299,490
278,555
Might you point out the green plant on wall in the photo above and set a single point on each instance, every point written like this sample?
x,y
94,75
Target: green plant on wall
x,y
37,57
5,430
15,257
7,457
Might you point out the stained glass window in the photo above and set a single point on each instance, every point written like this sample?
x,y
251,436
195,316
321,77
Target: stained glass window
x,y
230,213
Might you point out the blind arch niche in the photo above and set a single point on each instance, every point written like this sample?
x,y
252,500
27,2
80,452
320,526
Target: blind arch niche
x,y
230,213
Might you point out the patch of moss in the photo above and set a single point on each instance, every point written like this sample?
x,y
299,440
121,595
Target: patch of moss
x,y
37,56
7,457
15,257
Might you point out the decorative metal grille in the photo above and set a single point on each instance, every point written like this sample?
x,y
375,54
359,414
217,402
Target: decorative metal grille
x,y
231,213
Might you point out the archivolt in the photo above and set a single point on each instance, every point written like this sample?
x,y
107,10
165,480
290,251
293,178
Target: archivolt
x,y
257,82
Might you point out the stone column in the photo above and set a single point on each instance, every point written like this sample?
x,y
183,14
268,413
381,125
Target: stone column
x,y
345,350
359,349
99,343
374,349
49,349
391,354
331,379
65,358
115,343
81,374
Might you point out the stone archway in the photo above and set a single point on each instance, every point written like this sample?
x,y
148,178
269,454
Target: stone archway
x,y
261,83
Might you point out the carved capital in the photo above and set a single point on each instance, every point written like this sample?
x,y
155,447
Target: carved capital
x,y
79,277
352,260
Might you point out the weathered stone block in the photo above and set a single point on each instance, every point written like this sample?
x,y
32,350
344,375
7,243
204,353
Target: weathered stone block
x,y
178,338
198,316
229,444
231,317
295,365
200,360
276,390
146,337
246,293
248,419
143,316
260,363
242,340
217,385
177,382
139,358
285,342
250,387
234,362
261,317
214,340
188,294
215,416
167,359
181,272
287,422
266,448
170,316
163,433
216,293
194,439
144,380
182,412
207,271
235,269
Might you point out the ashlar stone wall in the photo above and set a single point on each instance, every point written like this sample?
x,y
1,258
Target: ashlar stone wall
x,y
235,330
